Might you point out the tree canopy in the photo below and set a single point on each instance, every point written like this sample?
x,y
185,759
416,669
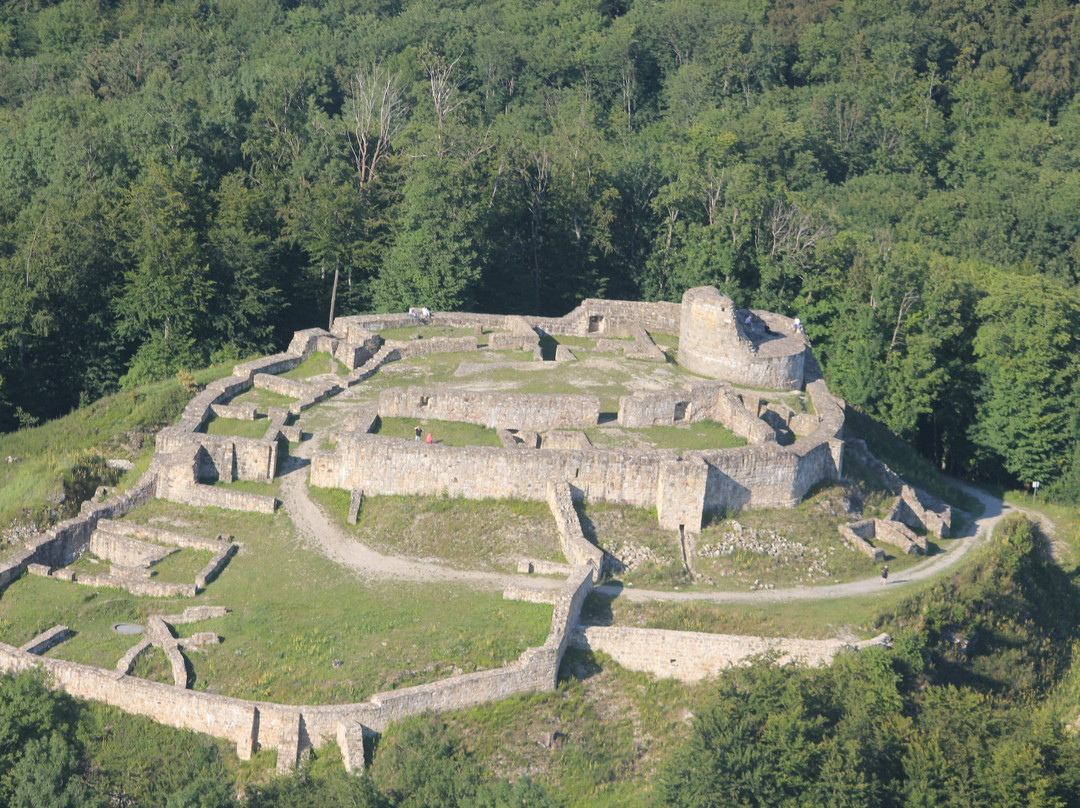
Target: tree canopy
x,y
195,179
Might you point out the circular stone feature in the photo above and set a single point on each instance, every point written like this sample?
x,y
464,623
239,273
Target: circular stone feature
x,y
127,628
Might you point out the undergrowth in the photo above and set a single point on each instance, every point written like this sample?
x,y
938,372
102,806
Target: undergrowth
x,y
58,464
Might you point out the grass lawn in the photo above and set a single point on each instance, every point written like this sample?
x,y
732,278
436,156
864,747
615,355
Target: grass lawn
x,y
300,629
808,619
252,487
114,426
701,435
448,433
263,399
464,533
182,566
238,427
318,364
432,331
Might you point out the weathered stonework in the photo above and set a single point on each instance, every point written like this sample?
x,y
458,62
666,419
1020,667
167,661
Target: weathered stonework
x,y
537,461
493,410
691,656
714,342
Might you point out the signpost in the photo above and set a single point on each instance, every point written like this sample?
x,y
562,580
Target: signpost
x,y
1034,490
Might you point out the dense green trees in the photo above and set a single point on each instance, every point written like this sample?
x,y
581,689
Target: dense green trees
x,y
952,715
192,177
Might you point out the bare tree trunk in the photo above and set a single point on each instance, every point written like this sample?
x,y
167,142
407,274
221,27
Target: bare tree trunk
x,y
909,300
333,297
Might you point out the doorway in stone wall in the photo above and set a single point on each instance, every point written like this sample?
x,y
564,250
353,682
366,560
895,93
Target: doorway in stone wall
x,y
596,323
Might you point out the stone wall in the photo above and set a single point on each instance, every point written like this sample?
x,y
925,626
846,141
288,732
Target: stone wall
x,y
281,385
241,412
578,550
856,534
178,481
432,345
224,457
126,551
691,656
712,342
394,466
680,493
714,401
140,587
771,476
762,476
493,410
160,536
290,729
64,542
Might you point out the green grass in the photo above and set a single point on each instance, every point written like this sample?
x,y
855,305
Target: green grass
x,y
318,364
467,534
809,619
182,566
263,399
33,604
238,427
664,340
612,728
432,331
113,426
701,435
252,487
140,464
152,664
293,613
447,433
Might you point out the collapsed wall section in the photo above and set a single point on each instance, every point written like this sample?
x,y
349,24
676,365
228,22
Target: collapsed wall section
x,y
771,476
613,318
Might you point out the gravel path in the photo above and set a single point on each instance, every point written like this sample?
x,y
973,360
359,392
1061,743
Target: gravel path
x,y
993,510
319,533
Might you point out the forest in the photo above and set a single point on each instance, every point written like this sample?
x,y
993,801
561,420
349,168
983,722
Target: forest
x,y
183,182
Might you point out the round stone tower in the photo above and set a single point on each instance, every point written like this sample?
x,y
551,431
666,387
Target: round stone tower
x,y
714,341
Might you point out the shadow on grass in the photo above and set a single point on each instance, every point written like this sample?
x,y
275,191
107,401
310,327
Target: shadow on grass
x,y
580,665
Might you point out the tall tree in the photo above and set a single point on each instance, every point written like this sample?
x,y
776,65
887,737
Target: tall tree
x,y
1027,350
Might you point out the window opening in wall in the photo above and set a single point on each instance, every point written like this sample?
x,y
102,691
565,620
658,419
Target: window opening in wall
x,y
681,408
423,401
596,323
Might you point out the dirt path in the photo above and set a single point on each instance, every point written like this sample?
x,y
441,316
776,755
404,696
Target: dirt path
x,y
320,533
993,510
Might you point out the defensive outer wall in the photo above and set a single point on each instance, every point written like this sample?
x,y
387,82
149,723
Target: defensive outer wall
x,y
750,348
767,353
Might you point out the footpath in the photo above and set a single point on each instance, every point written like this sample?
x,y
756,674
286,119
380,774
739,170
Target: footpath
x,y
320,533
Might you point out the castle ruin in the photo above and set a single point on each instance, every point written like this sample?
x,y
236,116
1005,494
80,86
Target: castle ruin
x,y
735,354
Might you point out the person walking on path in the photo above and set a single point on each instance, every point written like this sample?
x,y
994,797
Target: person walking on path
x,y
885,574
